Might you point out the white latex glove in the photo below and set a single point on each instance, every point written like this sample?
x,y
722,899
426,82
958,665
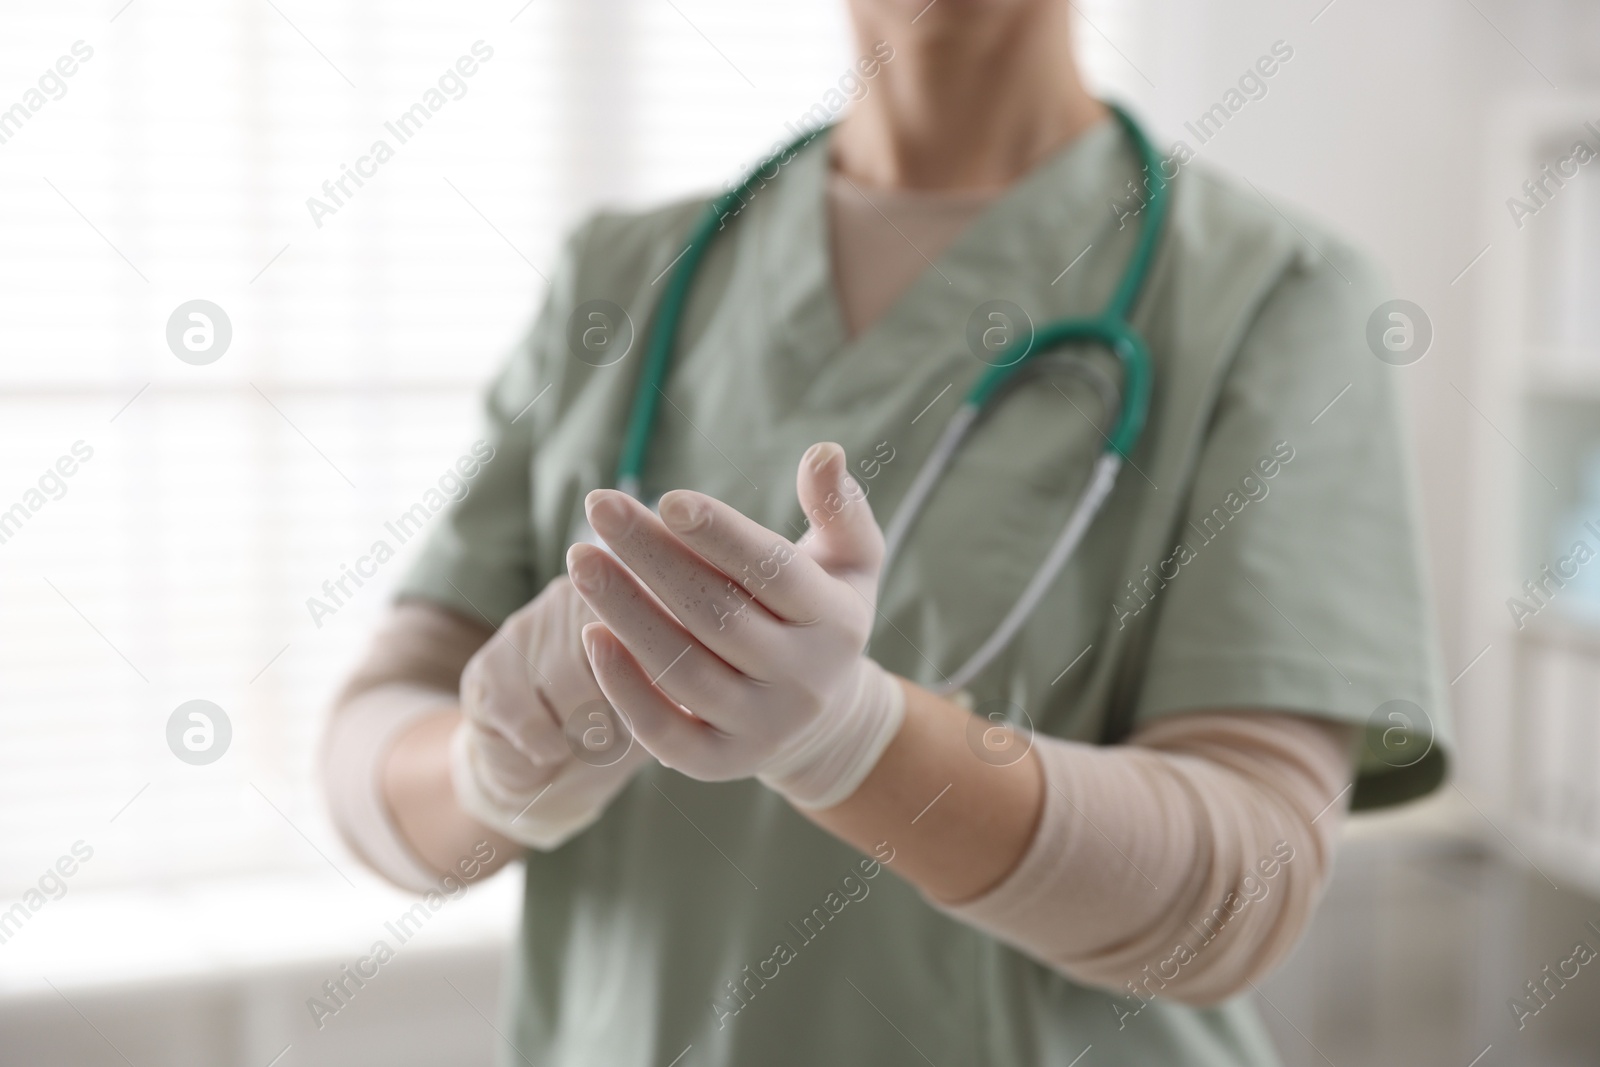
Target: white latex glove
x,y
539,753
750,662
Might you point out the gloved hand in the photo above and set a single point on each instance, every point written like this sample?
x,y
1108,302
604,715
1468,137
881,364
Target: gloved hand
x,y
539,753
750,662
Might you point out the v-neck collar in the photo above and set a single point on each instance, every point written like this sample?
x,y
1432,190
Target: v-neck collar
x,y
1060,213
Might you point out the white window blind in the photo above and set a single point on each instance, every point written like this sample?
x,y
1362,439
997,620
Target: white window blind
x,y
175,164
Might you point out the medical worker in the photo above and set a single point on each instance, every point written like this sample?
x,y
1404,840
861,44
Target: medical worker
x,y
764,819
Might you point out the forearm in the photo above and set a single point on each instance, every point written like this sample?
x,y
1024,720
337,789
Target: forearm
x,y
1211,831
422,801
394,764
958,824
407,678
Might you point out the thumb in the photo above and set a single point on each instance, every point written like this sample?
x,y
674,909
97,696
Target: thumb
x,y
841,533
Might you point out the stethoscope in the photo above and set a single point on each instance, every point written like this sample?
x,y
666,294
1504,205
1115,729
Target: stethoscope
x,y
1110,328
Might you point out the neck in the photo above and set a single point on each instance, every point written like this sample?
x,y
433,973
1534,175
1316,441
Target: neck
x,y
965,102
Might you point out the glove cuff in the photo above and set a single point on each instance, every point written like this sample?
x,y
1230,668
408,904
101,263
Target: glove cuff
x,y
833,756
546,819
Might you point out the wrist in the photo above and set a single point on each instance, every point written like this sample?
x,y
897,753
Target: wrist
x,y
468,785
568,799
834,754
420,802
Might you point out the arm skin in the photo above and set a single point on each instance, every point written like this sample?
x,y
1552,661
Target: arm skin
x,y
953,852
1100,862
1193,798
959,825
416,656
972,835
962,845
422,801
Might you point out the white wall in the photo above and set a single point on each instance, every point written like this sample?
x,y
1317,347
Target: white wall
x,y
1378,126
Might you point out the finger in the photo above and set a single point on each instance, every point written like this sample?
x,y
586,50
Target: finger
x,y
766,565
506,774
670,734
497,692
720,616
843,536
680,665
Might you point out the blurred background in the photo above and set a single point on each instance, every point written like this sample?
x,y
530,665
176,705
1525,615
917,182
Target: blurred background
x,y
163,522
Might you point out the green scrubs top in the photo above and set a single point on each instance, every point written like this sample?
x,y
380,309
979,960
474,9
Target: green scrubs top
x,y
1260,551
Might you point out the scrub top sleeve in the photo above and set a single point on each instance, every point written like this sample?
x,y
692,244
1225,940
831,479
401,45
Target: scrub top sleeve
x,y
479,559
1296,579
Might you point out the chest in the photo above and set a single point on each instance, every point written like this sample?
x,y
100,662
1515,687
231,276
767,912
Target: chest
x,y
739,410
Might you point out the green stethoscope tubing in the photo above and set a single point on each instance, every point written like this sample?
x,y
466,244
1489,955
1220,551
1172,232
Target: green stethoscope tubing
x,y
1110,327
669,313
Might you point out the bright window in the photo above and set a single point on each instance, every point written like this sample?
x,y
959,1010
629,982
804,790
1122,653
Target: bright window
x,y
206,503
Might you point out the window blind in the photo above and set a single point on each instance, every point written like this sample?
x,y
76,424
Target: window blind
x,y
201,150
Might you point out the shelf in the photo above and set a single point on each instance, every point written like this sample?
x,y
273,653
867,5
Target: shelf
x,y
1556,750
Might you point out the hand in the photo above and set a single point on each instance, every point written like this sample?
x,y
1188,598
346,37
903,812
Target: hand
x,y
747,659
520,760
